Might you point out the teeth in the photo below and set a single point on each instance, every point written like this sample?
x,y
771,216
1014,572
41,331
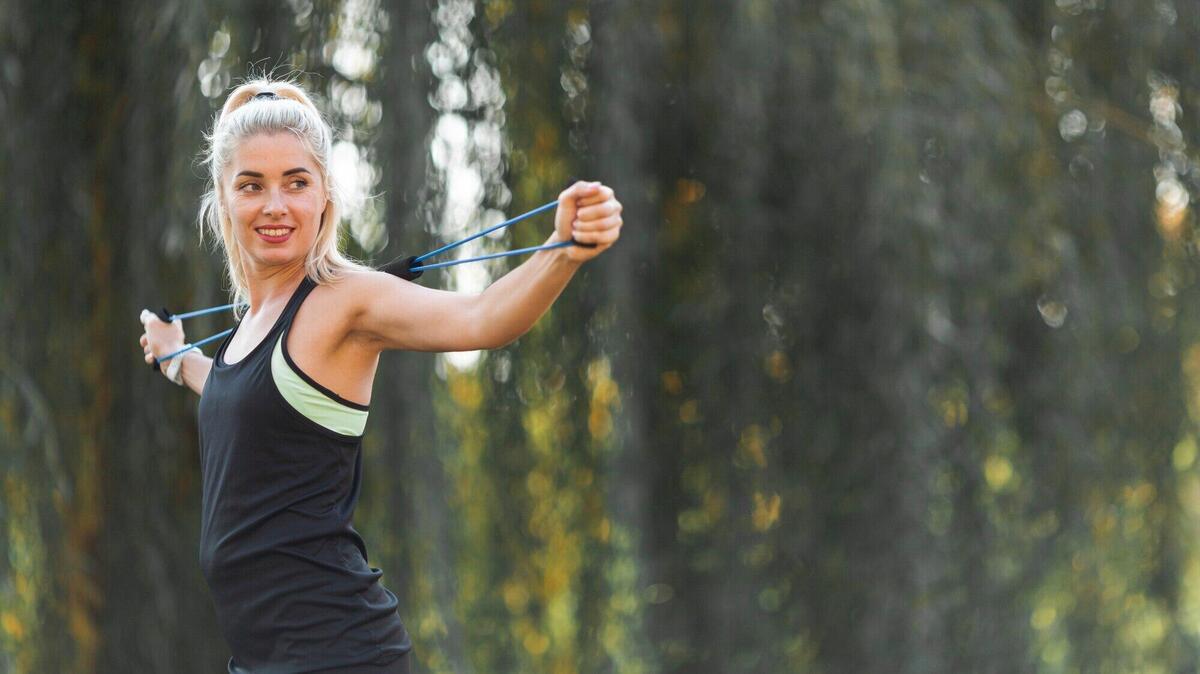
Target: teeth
x,y
274,232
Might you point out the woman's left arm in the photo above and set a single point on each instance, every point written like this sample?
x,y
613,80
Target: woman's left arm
x,y
395,314
588,212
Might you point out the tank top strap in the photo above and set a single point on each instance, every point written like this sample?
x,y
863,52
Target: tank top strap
x,y
289,311
262,353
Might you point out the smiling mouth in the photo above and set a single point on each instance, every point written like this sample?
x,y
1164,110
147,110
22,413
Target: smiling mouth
x,y
273,231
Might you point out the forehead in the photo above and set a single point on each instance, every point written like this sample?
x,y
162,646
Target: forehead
x,y
270,154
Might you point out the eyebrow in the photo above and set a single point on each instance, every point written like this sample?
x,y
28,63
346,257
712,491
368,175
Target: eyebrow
x,y
256,174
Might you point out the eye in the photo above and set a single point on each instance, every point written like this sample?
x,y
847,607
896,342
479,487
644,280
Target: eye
x,y
300,182
243,186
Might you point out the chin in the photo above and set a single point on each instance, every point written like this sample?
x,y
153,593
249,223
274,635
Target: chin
x,y
277,257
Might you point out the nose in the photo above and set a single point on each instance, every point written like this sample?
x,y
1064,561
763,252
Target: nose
x,y
275,205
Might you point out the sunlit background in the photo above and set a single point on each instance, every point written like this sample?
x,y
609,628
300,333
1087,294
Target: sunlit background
x,y
896,367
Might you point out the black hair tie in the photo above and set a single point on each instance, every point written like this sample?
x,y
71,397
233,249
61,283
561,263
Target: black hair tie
x,y
269,95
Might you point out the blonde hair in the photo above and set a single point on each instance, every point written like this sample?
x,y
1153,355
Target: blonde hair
x,y
242,117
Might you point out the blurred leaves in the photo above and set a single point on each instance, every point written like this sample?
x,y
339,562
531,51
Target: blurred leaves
x,y
895,368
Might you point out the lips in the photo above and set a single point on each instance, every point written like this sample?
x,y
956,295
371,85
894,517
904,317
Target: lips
x,y
274,234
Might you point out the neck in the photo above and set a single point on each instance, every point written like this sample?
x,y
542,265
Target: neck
x,y
270,285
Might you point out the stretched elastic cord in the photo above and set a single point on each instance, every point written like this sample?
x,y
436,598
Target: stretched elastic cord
x,y
202,312
166,316
189,347
489,230
519,251
411,268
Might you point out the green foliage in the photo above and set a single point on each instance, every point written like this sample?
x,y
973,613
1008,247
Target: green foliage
x,y
895,368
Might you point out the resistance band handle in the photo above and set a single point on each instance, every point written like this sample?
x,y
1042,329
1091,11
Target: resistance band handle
x,y
164,314
402,267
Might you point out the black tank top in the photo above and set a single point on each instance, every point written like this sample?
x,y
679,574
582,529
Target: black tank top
x,y
288,573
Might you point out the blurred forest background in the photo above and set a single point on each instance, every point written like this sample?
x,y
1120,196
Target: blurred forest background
x,y
896,367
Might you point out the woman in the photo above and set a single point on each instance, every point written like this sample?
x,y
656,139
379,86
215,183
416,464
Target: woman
x,y
285,397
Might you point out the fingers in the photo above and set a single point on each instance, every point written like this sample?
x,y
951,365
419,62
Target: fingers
x,y
159,336
147,317
581,189
597,225
601,232
604,193
597,218
604,209
156,329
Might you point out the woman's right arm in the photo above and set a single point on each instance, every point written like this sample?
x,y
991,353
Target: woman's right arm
x,y
195,370
164,338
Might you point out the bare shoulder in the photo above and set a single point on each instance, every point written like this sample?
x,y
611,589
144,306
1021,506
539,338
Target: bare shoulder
x,y
356,289
337,305
382,311
357,303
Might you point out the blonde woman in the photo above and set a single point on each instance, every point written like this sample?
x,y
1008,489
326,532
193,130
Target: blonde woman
x,y
284,399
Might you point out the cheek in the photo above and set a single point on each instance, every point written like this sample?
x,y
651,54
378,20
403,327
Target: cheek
x,y
241,211
310,204
316,209
243,216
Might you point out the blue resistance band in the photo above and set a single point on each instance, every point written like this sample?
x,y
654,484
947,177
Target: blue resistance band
x,y
188,347
410,268
407,268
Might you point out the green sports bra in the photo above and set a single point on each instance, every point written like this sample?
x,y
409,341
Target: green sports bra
x,y
314,401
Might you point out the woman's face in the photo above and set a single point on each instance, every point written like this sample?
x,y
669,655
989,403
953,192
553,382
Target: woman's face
x,y
275,198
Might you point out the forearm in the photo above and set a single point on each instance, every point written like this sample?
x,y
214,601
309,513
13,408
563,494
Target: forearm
x,y
510,306
195,370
